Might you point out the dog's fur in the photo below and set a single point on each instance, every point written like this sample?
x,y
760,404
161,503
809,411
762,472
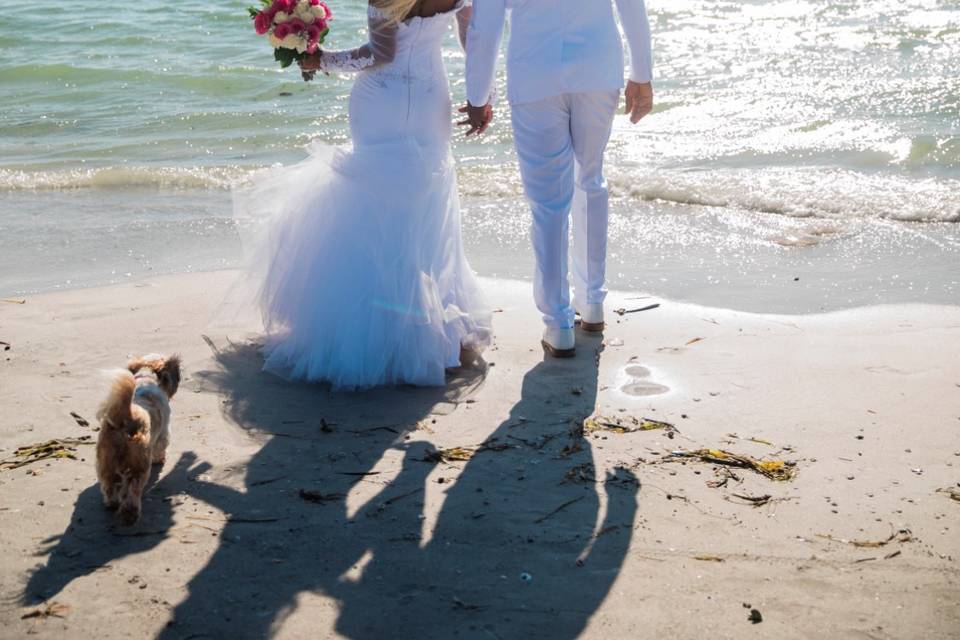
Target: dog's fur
x,y
135,431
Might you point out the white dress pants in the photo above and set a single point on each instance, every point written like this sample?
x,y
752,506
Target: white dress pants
x,y
560,144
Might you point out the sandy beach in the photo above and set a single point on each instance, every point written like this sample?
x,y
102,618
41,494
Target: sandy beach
x,y
290,511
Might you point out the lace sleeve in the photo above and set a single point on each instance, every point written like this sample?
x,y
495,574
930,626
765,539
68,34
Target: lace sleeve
x,y
380,48
463,22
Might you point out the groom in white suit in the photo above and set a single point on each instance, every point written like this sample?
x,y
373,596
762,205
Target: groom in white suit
x,y
565,69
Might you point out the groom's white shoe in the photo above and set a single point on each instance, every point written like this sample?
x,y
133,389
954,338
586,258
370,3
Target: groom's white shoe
x,y
591,318
559,343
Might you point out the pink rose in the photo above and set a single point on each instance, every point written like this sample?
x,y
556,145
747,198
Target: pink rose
x,y
326,9
313,32
262,23
296,25
313,47
281,31
287,6
320,24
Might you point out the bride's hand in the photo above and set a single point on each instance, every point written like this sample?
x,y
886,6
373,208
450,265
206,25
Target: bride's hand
x,y
309,65
311,61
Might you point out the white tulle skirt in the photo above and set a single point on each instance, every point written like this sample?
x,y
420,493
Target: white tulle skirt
x,y
358,269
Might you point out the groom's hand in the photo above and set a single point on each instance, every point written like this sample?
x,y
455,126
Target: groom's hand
x,y
639,100
478,118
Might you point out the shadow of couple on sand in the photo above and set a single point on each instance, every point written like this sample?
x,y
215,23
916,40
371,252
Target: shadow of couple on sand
x,y
527,541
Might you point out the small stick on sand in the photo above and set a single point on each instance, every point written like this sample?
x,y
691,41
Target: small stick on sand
x,y
557,510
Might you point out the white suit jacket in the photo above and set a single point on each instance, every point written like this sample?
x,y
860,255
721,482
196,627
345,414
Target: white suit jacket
x,y
556,46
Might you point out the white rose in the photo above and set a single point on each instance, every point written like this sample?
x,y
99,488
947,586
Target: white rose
x,y
302,47
319,12
306,15
275,42
292,41
280,17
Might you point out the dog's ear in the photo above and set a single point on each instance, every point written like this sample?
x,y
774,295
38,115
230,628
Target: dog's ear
x,y
169,375
136,364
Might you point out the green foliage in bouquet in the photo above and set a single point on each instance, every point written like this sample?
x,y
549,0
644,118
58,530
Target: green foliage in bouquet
x,y
286,57
253,11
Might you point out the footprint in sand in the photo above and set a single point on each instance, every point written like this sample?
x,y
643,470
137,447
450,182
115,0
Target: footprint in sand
x,y
639,385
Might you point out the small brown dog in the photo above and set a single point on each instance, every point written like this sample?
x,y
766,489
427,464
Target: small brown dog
x,y
135,431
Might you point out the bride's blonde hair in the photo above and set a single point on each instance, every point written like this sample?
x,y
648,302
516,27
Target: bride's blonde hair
x,y
395,10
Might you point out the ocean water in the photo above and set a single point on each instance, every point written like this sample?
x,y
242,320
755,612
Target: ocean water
x,y
803,155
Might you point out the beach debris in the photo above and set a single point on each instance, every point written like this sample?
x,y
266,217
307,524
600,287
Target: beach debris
x,y
952,492
260,483
79,419
557,510
693,341
6,345
13,300
725,476
624,425
386,503
581,473
755,617
526,577
463,606
779,470
213,347
51,449
538,444
462,454
374,430
614,342
901,535
756,501
623,311
327,427
718,484
570,449
708,558
319,498
51,610
236,519
917,471
452,454
892,555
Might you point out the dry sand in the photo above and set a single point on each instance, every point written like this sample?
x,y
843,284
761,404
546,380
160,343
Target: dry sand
x,y
525,539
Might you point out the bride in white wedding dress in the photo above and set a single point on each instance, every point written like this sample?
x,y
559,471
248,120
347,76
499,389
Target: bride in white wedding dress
x,y
355,253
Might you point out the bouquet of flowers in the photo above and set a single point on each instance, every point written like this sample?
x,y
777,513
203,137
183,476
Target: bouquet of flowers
x,y
295,28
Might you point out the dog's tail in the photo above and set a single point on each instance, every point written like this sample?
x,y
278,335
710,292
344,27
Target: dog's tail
x,y
115,410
